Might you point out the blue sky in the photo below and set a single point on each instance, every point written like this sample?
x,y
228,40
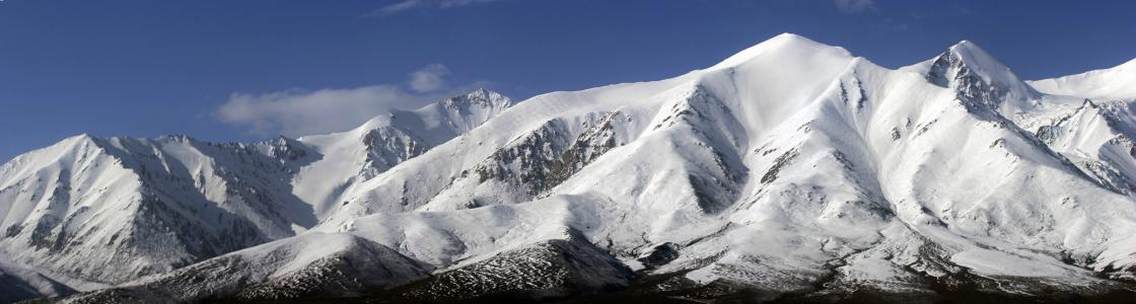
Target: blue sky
x,y
243,70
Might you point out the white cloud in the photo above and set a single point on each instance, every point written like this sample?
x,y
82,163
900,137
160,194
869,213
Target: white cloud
x,y
854,6
401,6
405,5
296,112
429,78
304,112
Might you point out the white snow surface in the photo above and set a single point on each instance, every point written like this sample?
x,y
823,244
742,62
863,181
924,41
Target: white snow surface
x,y
352,157
1105,84
793,153
111,210
790,162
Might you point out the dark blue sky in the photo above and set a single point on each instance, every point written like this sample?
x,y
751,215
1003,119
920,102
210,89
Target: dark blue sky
x,y
145,68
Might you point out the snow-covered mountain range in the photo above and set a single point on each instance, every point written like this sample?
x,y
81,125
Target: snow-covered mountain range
x,y
792,170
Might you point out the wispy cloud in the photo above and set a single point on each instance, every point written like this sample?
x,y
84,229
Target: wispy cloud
x,y
297,112
405,5
854,6
304,112
429,78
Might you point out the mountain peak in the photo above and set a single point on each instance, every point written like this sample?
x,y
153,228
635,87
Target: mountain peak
x,y
977,58
965,44
479,96
79,137
782,43
81,140
789,36
704,177
183,138
483,92
968,67
474,103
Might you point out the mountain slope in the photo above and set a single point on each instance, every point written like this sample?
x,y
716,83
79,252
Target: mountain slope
x,y
910,174
1106,84
114,209
351,157
792,170
308,265
18,283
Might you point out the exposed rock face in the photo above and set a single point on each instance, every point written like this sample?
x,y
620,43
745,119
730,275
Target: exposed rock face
x,y
792,171
548,269
110,210
315,265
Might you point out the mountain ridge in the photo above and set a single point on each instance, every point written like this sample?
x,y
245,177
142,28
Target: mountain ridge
x,y
791,169
1107,83
112,209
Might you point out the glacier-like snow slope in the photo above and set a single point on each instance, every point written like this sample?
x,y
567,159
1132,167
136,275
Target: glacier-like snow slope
x,y
790,167
1106,84
387,141
1098,134
113,209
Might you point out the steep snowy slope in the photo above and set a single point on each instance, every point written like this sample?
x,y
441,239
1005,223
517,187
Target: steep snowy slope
x,y
530,149
854,173
113,209
1102,85
354,156
1097,135
792,169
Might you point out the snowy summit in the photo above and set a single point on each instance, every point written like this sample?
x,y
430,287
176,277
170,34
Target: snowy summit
x,y
790,171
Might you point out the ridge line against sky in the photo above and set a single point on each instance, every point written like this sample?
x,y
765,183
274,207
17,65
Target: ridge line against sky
x,y
139,68
297,112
